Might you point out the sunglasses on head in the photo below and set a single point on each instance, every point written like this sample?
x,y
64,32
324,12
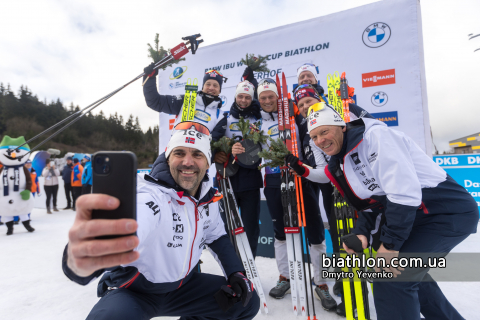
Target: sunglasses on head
x,y
217,72
190,125
316,107
266,81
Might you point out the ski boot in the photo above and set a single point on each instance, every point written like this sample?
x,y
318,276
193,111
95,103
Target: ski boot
x,y
281,289
55,208
322,294
48,210
10,228
27,226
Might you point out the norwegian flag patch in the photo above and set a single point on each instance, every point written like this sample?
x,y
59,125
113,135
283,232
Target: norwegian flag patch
x,y
213,75
190,140
313,122
246,89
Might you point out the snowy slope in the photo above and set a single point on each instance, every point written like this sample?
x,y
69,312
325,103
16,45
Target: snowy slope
x,y
33,285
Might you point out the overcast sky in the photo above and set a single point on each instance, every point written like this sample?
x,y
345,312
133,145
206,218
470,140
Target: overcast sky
x,y
79,51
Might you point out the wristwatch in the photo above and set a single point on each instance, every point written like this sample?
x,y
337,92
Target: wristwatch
x,y
388,246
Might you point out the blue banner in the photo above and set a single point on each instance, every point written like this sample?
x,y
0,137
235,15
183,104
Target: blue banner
x,y
465,169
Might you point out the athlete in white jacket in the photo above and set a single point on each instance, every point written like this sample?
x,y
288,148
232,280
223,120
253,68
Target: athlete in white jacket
x,y
177,215
424,211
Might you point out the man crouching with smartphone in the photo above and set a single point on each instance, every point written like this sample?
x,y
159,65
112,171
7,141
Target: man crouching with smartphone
x,y
177,214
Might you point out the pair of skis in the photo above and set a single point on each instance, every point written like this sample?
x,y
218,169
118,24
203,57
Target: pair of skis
x,y
189,101
293,207
239,237
355,291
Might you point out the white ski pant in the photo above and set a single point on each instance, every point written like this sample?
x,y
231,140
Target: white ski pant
x,y
23,217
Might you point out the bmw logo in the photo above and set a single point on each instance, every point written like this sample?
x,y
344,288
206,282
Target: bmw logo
x,y
224,100
376,35
379,99
178,72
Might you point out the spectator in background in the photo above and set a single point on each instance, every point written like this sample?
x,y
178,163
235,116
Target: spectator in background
x,y
77,171
1,223
67,182
87,176
51,174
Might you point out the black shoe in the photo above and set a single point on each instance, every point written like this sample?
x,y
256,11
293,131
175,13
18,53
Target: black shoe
x,y
67,208
10,228
322,294
48,210
341,309
338,288
27,226
55,208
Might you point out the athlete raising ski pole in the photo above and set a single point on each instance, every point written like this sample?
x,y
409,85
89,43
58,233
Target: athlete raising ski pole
x,y
424,209
207,105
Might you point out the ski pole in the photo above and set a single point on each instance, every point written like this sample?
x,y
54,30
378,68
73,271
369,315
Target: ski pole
x,y
176,53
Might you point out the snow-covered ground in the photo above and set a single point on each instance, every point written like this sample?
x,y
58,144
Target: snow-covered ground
x,y
33,286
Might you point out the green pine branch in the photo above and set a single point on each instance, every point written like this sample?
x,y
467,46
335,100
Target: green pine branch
x,y
250,131
257,64
275,155
224,144
158,53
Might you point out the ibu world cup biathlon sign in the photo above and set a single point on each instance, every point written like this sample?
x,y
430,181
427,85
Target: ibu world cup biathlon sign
x,y
379,46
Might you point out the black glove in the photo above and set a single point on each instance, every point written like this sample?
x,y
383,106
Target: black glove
x,y
294,163
149,70
248,74
239,288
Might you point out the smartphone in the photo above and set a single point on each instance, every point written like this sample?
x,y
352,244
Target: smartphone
x,y
115,173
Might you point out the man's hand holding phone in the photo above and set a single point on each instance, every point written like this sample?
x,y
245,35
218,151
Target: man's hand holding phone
x,y
87,254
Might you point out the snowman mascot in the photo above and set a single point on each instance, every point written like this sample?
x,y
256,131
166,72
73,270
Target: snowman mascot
x,y
15,183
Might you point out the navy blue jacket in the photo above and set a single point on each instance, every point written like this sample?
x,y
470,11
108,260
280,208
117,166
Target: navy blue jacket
x,y
67,173
248,177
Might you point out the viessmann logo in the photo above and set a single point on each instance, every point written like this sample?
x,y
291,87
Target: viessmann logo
x,y
378,78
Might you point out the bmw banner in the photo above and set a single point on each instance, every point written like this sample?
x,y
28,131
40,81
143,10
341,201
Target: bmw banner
x,y
379,46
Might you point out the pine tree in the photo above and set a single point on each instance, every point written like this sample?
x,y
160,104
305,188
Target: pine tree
x,y
158,53
256,64
224,144
251,132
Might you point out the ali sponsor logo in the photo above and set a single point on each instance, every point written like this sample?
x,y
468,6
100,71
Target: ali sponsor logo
x,y
376,34
152,205
379,99
378,78
202,116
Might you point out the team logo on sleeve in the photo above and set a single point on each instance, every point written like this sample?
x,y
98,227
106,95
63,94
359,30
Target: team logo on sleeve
x,y
234,126
190,140
355,158
273,130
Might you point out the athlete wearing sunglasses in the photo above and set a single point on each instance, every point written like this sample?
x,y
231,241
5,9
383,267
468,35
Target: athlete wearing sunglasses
x,y
207,106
